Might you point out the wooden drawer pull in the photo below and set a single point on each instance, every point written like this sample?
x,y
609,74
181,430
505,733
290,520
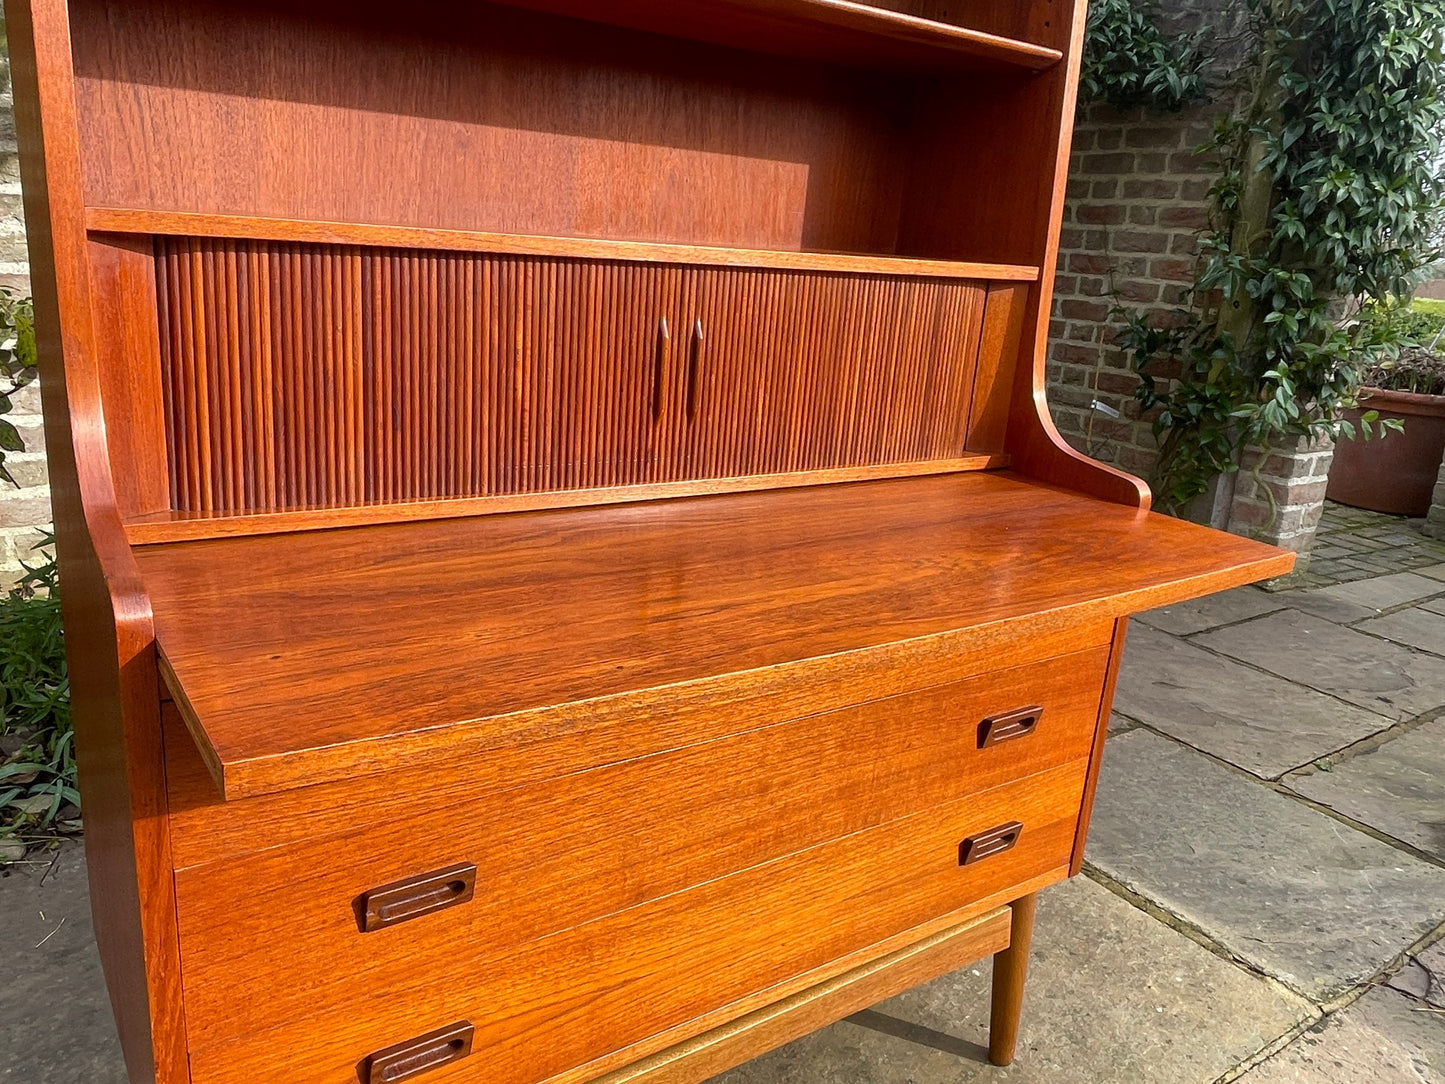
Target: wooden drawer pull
x,y
987,844
416,896
422,1054
1016,724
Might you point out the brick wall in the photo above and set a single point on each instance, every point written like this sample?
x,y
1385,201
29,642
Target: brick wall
x,y
25,510
1137,199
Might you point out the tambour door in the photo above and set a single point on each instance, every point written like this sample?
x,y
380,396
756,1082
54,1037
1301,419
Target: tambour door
x,y
807,370
324,376
333,376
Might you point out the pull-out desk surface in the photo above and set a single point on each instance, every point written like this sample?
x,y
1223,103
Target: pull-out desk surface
x,y
301,658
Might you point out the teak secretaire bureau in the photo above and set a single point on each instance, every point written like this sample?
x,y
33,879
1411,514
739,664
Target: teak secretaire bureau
x,y
568,572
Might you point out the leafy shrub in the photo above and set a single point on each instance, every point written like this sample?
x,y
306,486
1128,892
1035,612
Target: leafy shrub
x,y
1415,324
1130,63
1329,191
38,795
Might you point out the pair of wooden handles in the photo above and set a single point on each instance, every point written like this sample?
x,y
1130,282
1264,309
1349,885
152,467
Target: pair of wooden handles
x,y
664,365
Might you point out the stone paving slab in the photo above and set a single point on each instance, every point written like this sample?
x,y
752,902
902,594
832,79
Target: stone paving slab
x,y
55,1020
1423,977
1113,996
1298,894
1384,592
1384,1038
1386,678
1261,723
1330,607
1436,606
1211,611
1397,788
1416,627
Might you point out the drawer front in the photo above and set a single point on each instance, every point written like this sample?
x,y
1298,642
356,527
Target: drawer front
x,y
592,734
683,961
570,849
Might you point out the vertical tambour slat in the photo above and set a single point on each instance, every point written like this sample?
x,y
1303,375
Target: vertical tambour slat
x,y
331,376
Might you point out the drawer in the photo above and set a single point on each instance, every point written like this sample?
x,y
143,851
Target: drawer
x,y
595,733
573,848
632,980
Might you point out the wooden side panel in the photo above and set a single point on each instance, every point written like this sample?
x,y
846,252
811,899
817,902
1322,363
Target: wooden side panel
x,y
337,376
1101,733
998,355
989,171
109,639
123,293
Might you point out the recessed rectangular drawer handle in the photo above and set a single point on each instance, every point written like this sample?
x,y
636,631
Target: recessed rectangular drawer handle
x,y
987,844
420,1055
1016,724
416,896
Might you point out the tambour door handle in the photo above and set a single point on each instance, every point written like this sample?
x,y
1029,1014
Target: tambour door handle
x,y
661,364
694,370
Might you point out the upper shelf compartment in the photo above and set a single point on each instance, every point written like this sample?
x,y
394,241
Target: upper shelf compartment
x,y
835,31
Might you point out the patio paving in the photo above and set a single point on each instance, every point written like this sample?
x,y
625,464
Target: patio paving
x,y
1264,898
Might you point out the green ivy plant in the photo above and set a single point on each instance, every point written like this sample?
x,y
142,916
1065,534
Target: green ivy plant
x,y
17,366
1328,194
1131,63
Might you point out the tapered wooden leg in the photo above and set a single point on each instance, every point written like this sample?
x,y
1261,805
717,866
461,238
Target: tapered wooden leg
x,y
1010,968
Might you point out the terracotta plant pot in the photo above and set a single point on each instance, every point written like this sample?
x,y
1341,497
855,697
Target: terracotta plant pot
x,y
1395,474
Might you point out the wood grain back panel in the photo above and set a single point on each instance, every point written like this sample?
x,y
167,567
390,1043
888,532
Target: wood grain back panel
x,y
323,376
481,117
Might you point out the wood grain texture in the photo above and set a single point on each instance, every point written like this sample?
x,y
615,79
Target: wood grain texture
x,y
1010,971
514,122
764,1029
571,849
190,526
109,639
110,220
123,291
840,31
1010,212
401,634
551,1004
322,376
414,502
205,828
1101,734
998,360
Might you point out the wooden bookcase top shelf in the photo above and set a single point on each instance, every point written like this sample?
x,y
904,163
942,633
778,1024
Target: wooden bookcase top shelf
x,y
380,642
840,31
